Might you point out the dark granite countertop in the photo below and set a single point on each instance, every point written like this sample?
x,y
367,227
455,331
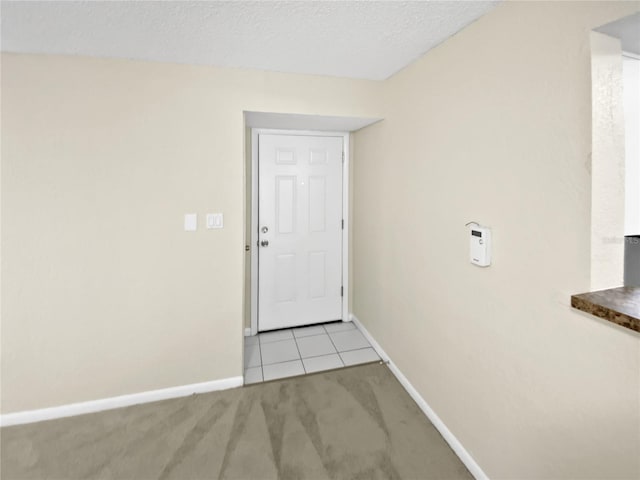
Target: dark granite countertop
x,y
617,305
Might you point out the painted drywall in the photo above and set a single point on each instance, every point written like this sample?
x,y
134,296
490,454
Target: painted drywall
x,y
607,163
103,293
494,126
631,106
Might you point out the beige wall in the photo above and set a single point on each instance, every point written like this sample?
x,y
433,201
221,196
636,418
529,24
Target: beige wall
x,y
494,126
103,292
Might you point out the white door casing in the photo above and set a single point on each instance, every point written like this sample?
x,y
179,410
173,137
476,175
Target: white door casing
x,y
300,213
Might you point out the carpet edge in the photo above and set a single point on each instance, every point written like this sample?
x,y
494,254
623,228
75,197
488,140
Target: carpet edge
x,y
462,453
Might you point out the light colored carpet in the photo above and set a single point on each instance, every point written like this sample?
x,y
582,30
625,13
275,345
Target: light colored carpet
x,y
353,423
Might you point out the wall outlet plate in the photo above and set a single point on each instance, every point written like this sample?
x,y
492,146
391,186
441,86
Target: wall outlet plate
x,y
215,220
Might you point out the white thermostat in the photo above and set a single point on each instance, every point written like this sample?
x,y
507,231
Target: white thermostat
x,y
480,245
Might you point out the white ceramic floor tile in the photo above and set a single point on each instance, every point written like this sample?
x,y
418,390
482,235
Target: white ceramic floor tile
x,y
276,336
251,340
252,375
315,346
325,362
339,327
349,340
276,352
281,370
252,356
364,355
307,331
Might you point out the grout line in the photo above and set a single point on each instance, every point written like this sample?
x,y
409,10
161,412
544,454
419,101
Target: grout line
x,y
281,340
322,355
337,351
283,361
353,327
244,374
314,335
361,348
309,327
354,349
261,365
299,354
293,335
286,376
278,341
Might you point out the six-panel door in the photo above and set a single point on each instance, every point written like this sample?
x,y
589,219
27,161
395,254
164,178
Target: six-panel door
x,y
300,230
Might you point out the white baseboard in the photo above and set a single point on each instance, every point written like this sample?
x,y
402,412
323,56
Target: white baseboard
x,y
102,404
453,442
376,346
247,332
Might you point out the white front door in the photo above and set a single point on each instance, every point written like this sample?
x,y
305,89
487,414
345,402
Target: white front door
x,y
300,230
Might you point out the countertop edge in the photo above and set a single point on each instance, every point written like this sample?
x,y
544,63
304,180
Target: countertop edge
x,y
579,302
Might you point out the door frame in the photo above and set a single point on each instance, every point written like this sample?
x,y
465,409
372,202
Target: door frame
x,y
255,132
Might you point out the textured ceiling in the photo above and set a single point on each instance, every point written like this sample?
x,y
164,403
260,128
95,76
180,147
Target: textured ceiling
x,y
627,29
358,39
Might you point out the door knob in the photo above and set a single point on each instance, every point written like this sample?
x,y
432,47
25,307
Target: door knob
x,y
264,243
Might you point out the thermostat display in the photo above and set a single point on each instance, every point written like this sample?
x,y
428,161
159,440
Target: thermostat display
x,y
480,246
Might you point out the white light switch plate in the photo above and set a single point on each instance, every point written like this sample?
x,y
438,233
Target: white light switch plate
x,y
215,220
190,222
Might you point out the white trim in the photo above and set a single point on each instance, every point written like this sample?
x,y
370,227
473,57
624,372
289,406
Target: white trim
x,y
376,346
254,231
247,332
345,230
449,437
630,55
303,133
255,132
295,121
92,406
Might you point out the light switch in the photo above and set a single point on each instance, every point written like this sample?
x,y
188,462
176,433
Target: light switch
x,y
190,222
215,220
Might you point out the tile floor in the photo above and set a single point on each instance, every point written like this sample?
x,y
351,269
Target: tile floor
x,y
297,351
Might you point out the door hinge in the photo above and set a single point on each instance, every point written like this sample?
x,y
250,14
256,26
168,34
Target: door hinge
x,y
343,156
342,224
342,291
